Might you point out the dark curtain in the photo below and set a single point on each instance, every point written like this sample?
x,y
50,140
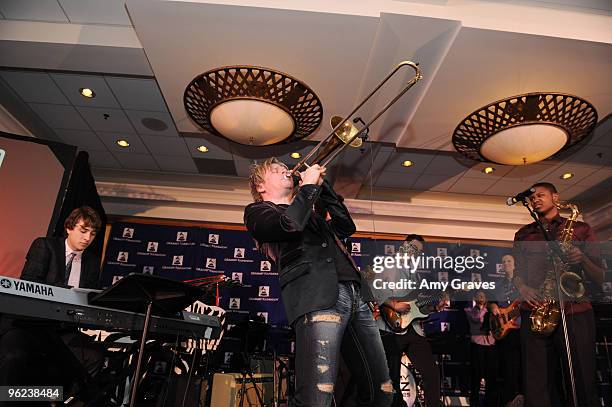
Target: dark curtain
x,y
81,191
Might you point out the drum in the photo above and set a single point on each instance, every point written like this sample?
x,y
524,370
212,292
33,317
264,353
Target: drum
x,y
408,384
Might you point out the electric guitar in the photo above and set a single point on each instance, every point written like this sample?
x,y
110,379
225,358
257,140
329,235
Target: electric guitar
x,y
399,322
500,325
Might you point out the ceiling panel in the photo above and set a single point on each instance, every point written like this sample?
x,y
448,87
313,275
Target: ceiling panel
x,y
167,146
33,10
218,148
448,165
137,161
532,172
498,171
242,152
596,156
110,140
215,167
103,159
176,164
159,123
596,177
420,161
472,185
71,83
579,171
506,187
137,94
96,11
109,120
34,87
438,183
60,116
394,180
84,139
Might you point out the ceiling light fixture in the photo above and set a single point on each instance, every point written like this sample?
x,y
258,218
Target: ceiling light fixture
x,y
202,149
407,163
252,105
88,93
525,129
488,170
123,143
567,175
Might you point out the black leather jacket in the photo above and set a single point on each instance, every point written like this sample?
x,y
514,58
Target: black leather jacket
x,y
302,244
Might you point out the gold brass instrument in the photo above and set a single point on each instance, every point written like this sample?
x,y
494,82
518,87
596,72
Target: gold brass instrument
x,y
345,133
545,317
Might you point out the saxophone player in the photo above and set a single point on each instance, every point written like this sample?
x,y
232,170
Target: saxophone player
x,y
541,354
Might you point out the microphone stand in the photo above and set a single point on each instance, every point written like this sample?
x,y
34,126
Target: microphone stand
x,y
554,246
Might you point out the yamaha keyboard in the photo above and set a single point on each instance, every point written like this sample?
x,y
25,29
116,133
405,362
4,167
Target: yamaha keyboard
x,y
30,300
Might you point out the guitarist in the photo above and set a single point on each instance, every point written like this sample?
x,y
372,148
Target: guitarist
x,y
415,346
509,347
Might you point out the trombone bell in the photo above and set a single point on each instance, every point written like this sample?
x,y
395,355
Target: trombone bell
x,y
346,131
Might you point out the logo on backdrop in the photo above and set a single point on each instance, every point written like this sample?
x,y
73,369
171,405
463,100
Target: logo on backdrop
x,y
211,263
148,270
264,290
239,253
128,233
213,238
389,249
264,316
152,247
116,278
122,257
177,260
181,236
265,266
237,277
234,303
355,247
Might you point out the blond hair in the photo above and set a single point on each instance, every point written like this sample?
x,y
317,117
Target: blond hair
x,y
256,176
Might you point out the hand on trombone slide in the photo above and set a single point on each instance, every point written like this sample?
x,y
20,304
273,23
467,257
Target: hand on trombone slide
x,y
314,174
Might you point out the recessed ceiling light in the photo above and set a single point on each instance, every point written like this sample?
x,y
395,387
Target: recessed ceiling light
x,y
407,163
567,175
123,143
488,170
202,149
88,93
296,155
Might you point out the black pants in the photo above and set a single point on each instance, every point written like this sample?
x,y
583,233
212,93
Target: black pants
x,y
43,355
542,357
483,365
418,350
509,355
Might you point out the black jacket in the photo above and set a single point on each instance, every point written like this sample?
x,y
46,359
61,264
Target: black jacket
x,y
46,263
303,246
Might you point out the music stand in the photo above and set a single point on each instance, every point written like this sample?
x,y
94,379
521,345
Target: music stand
x,y
150,295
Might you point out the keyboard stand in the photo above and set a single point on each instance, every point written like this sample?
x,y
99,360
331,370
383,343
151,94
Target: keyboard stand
x,y
150,295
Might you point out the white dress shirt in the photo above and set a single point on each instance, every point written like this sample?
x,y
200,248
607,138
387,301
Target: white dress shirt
x,y
75,273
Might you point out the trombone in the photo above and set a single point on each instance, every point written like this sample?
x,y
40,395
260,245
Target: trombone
x,y
344,133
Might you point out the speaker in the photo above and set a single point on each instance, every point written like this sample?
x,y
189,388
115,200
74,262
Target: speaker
x,y
226,390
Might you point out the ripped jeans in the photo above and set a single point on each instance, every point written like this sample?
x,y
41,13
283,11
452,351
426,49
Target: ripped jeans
x,y
347,327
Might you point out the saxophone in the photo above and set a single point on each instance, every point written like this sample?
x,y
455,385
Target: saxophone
x,y
545,317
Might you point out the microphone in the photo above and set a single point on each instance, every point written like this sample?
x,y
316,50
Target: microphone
x,y
520,196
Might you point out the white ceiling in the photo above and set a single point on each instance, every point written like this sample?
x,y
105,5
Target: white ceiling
x,y
139,57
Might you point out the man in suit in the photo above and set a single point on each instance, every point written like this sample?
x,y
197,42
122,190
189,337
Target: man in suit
x,y
43,352
320,284
63,261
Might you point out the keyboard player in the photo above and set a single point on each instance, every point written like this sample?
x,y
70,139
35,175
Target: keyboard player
x,y
36,352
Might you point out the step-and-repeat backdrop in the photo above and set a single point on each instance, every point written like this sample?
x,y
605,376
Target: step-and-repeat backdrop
x,y
184,253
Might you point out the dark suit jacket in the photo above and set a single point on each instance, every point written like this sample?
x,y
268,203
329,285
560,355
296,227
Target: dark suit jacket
x,y
302,244
46,263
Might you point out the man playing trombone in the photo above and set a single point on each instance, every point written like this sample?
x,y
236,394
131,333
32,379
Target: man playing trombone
x,y
320,284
